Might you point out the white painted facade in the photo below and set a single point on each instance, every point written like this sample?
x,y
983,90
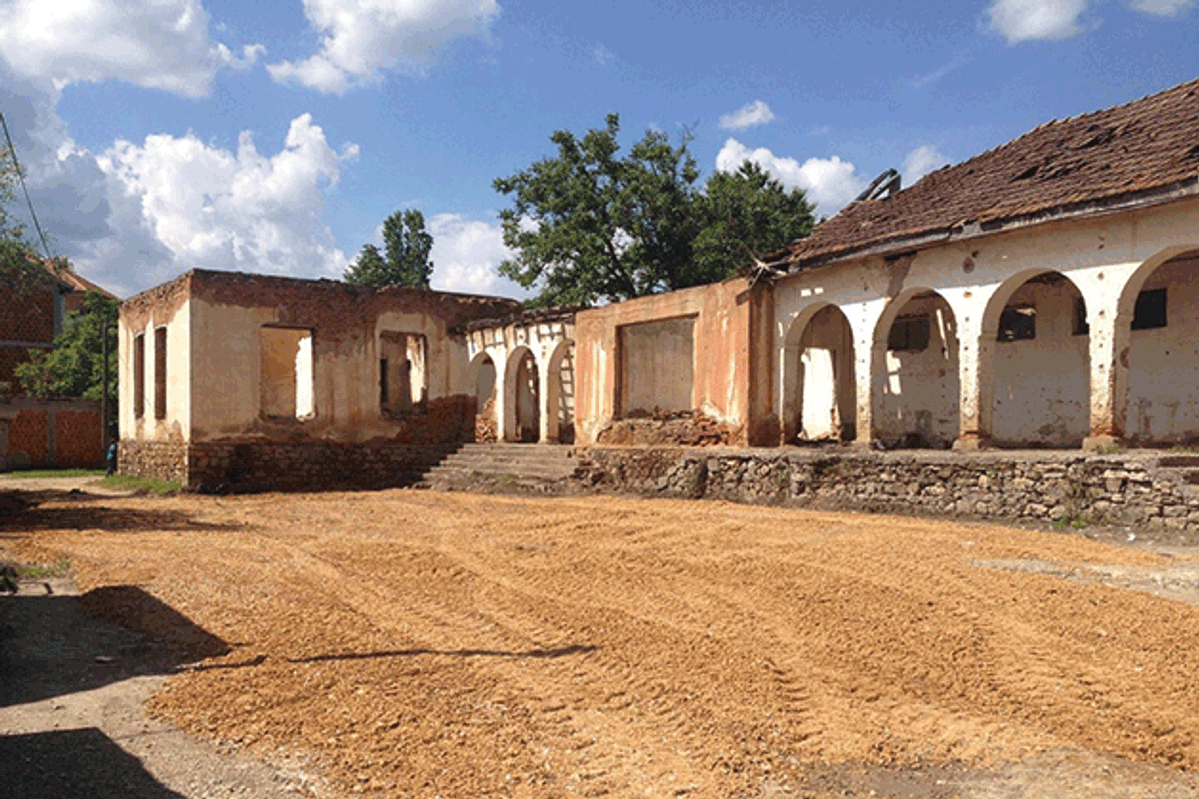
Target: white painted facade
x,y
530,369
1062,387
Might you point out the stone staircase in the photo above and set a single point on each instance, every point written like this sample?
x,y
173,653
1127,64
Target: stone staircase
x,y
541,468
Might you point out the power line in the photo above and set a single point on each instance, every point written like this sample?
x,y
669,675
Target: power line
x,y
21,176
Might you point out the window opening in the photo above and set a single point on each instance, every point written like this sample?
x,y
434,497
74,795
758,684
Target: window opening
x,y
403,372
286,373
160,373
139,375
1150,310
1018,323
909,334
383,382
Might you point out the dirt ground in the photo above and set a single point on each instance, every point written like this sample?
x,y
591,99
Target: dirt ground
x,y
418,644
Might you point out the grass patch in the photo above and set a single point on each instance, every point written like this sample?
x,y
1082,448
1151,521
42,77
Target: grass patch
x,y
42,474
1069,521
150,485
40,571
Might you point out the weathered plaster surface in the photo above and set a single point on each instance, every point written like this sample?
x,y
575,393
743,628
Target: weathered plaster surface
x,y
1107,258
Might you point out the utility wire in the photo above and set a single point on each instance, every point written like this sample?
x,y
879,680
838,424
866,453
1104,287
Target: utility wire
x,y
21,177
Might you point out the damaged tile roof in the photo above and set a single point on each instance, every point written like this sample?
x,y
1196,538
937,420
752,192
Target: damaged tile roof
x,y
1131,153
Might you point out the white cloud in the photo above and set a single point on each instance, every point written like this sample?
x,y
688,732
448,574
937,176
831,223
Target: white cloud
x,y
829,182
465,255
1164,8
361,38
1025,20
747,116
156,44
602,55
920,162
209,207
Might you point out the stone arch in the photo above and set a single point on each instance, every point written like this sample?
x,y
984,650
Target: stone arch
x,y
560,394
915,374
818,393
1036,337
522,390
1156,350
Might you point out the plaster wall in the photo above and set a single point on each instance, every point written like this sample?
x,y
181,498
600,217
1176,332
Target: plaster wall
x,y
721,361
657,361
1042,384
171,310
916,391
976,276
345,372
1164,362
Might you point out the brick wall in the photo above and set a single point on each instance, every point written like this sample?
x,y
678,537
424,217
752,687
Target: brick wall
x,y
49,434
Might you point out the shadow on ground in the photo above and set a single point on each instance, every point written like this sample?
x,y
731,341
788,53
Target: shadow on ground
x,y
54,645
23,511
73,764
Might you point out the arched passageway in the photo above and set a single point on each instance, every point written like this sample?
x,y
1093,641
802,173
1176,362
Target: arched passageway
x,y
1159,312
560,394
522,395
915,375
1040,367
482,377
819,402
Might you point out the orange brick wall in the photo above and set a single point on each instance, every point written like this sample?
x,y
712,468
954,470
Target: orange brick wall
x,y
73,443
28,434
78,438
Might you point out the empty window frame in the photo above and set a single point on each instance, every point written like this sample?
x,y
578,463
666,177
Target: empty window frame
x,y
1150,310
286,373
909,334
139,375
403,372
160,373
1017,323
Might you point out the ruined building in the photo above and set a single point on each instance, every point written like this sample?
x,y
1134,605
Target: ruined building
x,y
1042,294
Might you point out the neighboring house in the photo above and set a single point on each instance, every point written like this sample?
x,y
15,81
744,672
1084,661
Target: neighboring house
x,y
62,432
1042,294
31,317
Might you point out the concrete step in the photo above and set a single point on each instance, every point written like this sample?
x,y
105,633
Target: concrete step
x,y
519,464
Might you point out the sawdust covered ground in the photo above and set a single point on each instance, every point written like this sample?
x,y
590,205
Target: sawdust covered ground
x,y
423,644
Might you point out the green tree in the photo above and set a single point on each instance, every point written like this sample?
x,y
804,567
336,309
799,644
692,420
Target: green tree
x,y
74,367
406,263
741,214
589,224
17,272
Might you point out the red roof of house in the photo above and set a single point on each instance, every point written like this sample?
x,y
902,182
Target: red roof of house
x,y
1134,153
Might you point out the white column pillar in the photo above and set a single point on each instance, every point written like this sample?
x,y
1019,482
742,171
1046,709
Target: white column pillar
x,y
976,361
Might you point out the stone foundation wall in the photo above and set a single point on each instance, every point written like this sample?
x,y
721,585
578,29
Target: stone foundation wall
x,y
257,466
165,460
1151,489
308,466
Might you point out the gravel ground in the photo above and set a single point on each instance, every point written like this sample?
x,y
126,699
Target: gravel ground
x,y
417,644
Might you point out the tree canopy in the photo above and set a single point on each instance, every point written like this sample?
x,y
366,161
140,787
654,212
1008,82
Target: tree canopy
x,y
591,224
75,367
743,213
405,261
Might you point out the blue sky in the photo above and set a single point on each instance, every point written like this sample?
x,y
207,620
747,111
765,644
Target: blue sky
x,y
162,135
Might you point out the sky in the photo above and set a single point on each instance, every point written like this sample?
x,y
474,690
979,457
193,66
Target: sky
x,y
275,136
